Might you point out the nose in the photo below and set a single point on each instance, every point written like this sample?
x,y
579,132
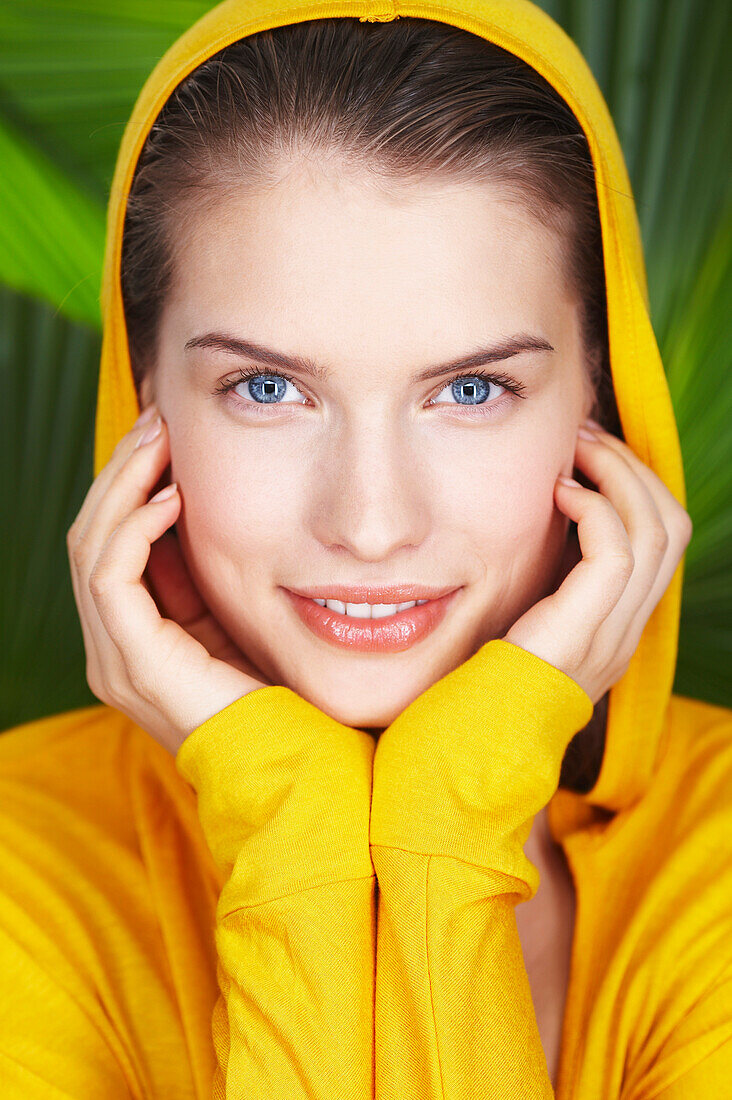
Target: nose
x,y
372,497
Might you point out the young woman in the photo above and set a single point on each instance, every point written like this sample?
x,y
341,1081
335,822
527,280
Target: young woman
x,y
388,790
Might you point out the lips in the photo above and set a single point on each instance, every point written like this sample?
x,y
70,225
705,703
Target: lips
x,y
391,634
372,593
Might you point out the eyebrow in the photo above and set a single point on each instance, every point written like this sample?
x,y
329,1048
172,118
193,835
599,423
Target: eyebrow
x,y
494,353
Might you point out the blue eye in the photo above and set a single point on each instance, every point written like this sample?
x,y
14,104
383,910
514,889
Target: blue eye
x,y
473,389
469,389
264,388
267,388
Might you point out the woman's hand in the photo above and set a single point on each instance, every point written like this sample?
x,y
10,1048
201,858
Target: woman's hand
x,y
168,674
632,535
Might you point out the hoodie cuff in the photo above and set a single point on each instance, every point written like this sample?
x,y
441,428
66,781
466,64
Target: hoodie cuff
x,y
283,790
471,760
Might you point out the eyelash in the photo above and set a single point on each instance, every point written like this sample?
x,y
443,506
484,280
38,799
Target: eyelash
x,y
510,384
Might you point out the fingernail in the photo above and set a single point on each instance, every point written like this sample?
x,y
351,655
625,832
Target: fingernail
x,y
568,481
583,433
165,493
146,415
593,423
150,433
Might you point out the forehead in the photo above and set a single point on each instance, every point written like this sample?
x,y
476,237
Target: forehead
x,y
320,256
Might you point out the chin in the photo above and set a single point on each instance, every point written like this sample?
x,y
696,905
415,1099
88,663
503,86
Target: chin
x,y
364,718
364,709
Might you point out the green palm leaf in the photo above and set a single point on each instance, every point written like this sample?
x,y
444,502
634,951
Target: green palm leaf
x,y
51,233
70,71
698,364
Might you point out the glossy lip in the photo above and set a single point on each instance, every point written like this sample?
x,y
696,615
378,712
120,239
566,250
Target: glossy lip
x,y
391,634
372,593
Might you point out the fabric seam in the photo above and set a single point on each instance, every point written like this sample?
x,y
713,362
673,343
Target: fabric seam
x,y
294,894
429,973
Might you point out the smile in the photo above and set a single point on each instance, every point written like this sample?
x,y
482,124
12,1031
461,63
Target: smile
x,y
368,610
380,628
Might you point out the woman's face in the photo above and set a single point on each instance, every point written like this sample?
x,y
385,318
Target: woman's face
x,y
365,473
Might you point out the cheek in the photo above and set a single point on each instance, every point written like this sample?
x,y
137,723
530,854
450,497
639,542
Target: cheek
x,y
239,502
502,494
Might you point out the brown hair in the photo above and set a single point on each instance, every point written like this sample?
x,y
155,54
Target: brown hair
x,y
397,101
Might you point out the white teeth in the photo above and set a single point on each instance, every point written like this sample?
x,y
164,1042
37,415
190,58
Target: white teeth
x,y
367,610
381,610
357,610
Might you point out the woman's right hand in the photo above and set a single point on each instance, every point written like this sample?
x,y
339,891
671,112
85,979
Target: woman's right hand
x,y
169,679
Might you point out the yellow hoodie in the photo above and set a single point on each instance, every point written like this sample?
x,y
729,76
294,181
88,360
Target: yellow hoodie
x,y
278,913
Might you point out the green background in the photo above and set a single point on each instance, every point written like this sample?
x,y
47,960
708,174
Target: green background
x,y
70,71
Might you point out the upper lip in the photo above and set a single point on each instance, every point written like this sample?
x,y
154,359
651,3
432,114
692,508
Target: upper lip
x,y
371,593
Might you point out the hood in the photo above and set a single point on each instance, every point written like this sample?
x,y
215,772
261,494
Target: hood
x,y
636,721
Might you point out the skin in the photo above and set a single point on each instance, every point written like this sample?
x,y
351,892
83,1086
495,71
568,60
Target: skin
x,y
355,479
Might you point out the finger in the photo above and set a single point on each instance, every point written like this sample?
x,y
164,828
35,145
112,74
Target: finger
x,y
84,547
119,456
675,517
90,644
594,587
635,505
671,510
126,609
128,489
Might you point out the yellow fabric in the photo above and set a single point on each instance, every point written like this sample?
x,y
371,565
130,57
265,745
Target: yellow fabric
x,y
277,912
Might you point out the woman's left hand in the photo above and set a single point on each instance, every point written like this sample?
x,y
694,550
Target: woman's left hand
x,y
632,535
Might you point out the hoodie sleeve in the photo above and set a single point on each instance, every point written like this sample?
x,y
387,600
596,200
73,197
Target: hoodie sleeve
x,y
283,796
458,779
